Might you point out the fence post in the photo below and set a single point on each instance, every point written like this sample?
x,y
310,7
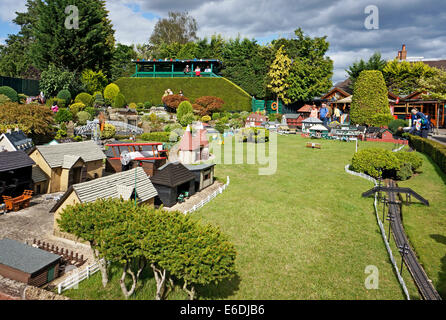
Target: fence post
x,y
59,288
88,271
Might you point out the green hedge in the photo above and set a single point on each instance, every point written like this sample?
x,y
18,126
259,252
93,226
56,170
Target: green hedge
x,y
152,89
435,150
160,136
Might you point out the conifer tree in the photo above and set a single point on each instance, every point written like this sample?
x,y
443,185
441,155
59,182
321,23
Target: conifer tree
x,y
278,73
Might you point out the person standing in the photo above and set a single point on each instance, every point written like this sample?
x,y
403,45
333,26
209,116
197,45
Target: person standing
x,y
313,112
186,70
197,71
324,114
336,114
420,124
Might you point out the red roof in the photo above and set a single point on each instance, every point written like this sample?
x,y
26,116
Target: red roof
x,y
190,142
305,108
256,117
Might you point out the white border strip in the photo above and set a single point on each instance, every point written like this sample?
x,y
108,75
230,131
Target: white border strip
x,y
380,224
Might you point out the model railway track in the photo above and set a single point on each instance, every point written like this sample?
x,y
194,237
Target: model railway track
x,y
420,277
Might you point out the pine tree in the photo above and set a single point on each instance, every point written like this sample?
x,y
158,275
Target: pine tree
x,y
278,74
88,47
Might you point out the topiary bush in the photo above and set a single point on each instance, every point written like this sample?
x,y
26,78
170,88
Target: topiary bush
x,y
147,105
133,106
119,101
92,111
108,132
84,98
63,115
370,99
411,158
187,119
111,92
77,107
10,93
65,95
184,107
83,117
206,119
376,162
405,172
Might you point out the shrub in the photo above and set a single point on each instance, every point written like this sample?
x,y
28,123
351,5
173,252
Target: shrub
x,y
10,93
4,99
83,117
376,162
220,126
147,105
253,135
63,115
119,101
205,119
397,123
65,95
208,104
370,99
433,149
77,107
173,101
60,102
98,100
216,116
159,136
84,98
184,107
405,172
22,98
172,127
92,111
108,132
411,158
111,92
78,138
61,133
187,119
54,80
93,81
133,106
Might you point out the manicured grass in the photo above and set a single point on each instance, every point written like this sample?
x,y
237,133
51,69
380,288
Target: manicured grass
x,y
152,89
426,226
305,232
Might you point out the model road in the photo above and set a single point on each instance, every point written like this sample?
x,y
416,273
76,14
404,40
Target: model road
x,y
420,277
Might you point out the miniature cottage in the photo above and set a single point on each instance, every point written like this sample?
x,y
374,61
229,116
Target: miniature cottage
x,y
255,120
318,130
24,263
170,181
204,175
14,141
69,163
308,123
118,185
194,148
15,173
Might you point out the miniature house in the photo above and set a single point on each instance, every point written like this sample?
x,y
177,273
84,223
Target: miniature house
x,y
194,148
24,263
255,120
170,181
69,163
118,185
14,141
308,123
318,130
15,173
204,175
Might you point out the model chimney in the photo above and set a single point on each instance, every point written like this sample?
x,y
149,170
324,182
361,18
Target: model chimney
x,y
402,55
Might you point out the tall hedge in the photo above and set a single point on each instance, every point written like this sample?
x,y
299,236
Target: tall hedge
x,y
435,150
370,104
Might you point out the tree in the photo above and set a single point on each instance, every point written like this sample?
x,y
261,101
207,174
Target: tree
x,y
278,74
370,105
402,76
375,62
56,79
88,47
173,100
63,115
108,132
187,119
178,27
207,105
121,64
94,81
434,86
184,107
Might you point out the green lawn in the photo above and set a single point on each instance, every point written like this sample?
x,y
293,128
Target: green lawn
x,y
306,232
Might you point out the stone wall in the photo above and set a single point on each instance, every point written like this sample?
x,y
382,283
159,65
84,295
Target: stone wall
x,y
14,290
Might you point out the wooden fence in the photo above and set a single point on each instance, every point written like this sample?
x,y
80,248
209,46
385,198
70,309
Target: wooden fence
x,y
209,198
77,277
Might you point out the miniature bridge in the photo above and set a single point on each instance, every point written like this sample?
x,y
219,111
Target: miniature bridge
x,y
417,272
122,128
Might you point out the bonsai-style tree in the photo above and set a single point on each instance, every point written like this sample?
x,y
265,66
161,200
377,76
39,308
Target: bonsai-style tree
x,y
370,105
173,101
207,105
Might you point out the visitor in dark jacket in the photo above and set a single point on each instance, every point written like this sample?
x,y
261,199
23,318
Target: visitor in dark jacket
x,y
420,124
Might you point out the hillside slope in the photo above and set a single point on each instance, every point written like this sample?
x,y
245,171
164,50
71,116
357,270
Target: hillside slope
x,y
152,89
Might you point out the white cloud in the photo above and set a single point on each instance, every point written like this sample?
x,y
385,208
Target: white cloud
x,y
8,8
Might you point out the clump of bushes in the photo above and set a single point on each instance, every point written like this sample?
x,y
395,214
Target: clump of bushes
x,y
208,104
253,135
10,93
4,99
119,101
383,163
173,101
84,98
160,136
64,95
108,132
395,124
83,117
63,115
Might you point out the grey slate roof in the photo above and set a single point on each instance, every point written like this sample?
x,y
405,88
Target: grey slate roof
x,y
172,174
113,186
14,160
198,167
55,155
312,120
291,115
23,257
19,140
38,175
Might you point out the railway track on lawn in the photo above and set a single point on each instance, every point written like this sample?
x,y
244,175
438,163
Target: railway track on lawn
x,y
420,277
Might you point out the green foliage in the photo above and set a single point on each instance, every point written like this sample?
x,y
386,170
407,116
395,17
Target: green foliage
x,y
63,115
147,105
78,138
59,102
370,105
4,99
119,101
92,111
159,137
187,119
121,65
405,172
435,85
61,133
88,47
10,93
433,149
411,158
83,117
206,119
395,124
77,107
56,79
382,120
253,135
221,126
111,91
278,74
216,116
84,98
144,89
94,81
375,162
108,132
177,27
375,62
184,107
64,95
402,77
172,127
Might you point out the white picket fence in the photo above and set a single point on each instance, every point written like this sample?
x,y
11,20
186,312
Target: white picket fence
x,y
77,277
209,198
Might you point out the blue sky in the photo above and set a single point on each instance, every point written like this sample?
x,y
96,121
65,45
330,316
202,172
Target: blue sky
x,y
420,24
